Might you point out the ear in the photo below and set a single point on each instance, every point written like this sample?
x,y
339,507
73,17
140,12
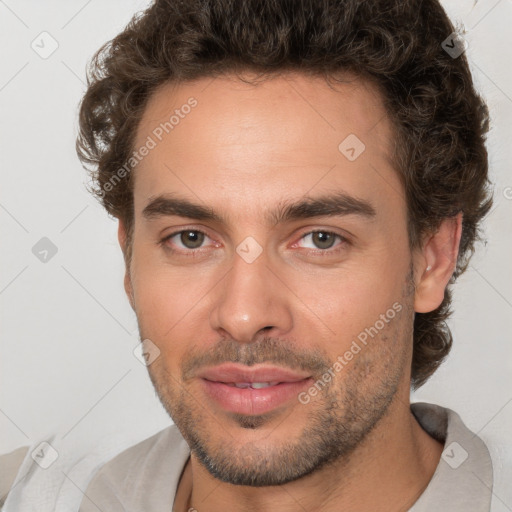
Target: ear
x,y
436,263
122,237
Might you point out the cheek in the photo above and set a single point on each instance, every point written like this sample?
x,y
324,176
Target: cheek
x,y
351,298
164,302
171,305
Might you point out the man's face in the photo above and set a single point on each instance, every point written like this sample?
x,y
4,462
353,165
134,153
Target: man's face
x,y
248,287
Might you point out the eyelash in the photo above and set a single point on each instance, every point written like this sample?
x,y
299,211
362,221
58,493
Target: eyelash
x,y
330,250
193,252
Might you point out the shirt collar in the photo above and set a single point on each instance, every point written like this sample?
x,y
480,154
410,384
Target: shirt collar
x,y
463,479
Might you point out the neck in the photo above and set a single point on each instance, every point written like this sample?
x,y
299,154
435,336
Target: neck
x,y
388,471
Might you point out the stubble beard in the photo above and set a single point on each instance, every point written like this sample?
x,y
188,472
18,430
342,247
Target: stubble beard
x,y
337,423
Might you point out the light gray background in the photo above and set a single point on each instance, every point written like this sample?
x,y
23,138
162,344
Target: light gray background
x,y
68,333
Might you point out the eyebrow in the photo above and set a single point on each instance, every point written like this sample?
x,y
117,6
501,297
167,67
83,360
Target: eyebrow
x,y
168,205
335,204
330,205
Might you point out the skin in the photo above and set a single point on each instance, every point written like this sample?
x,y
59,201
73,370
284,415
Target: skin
x,y
244,151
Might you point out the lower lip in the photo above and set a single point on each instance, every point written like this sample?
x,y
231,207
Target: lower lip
x,y
253,401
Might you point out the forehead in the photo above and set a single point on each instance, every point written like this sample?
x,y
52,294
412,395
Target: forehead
x,y
224,141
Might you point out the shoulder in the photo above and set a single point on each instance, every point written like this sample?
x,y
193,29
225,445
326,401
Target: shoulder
x,y
101,473
123,482
446,426
128,463
463,479
10,464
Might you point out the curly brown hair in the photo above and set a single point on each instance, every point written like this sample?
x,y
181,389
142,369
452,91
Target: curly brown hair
x,y
439,120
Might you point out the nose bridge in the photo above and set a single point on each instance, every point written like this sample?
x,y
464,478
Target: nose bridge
x,y
250,299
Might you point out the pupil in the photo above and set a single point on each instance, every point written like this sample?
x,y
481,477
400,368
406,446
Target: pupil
x,y
323,240
192,239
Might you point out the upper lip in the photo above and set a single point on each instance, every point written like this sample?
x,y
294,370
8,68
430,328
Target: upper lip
x,y
232,372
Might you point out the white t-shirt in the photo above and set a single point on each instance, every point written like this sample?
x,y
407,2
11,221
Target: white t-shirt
x,y
144,477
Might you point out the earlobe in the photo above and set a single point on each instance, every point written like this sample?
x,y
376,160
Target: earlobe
x,y
129,288
121,236
439,258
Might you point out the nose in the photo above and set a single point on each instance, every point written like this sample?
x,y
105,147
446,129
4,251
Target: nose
x,y
251,300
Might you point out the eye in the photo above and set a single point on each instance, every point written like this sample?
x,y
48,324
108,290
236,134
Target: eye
x,y
320,240
186,239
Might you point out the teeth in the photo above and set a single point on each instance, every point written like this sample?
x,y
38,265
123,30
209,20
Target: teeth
x,y
259,385
254,385
242,385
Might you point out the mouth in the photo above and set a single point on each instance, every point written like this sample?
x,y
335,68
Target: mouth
x,y
253,385
252,390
